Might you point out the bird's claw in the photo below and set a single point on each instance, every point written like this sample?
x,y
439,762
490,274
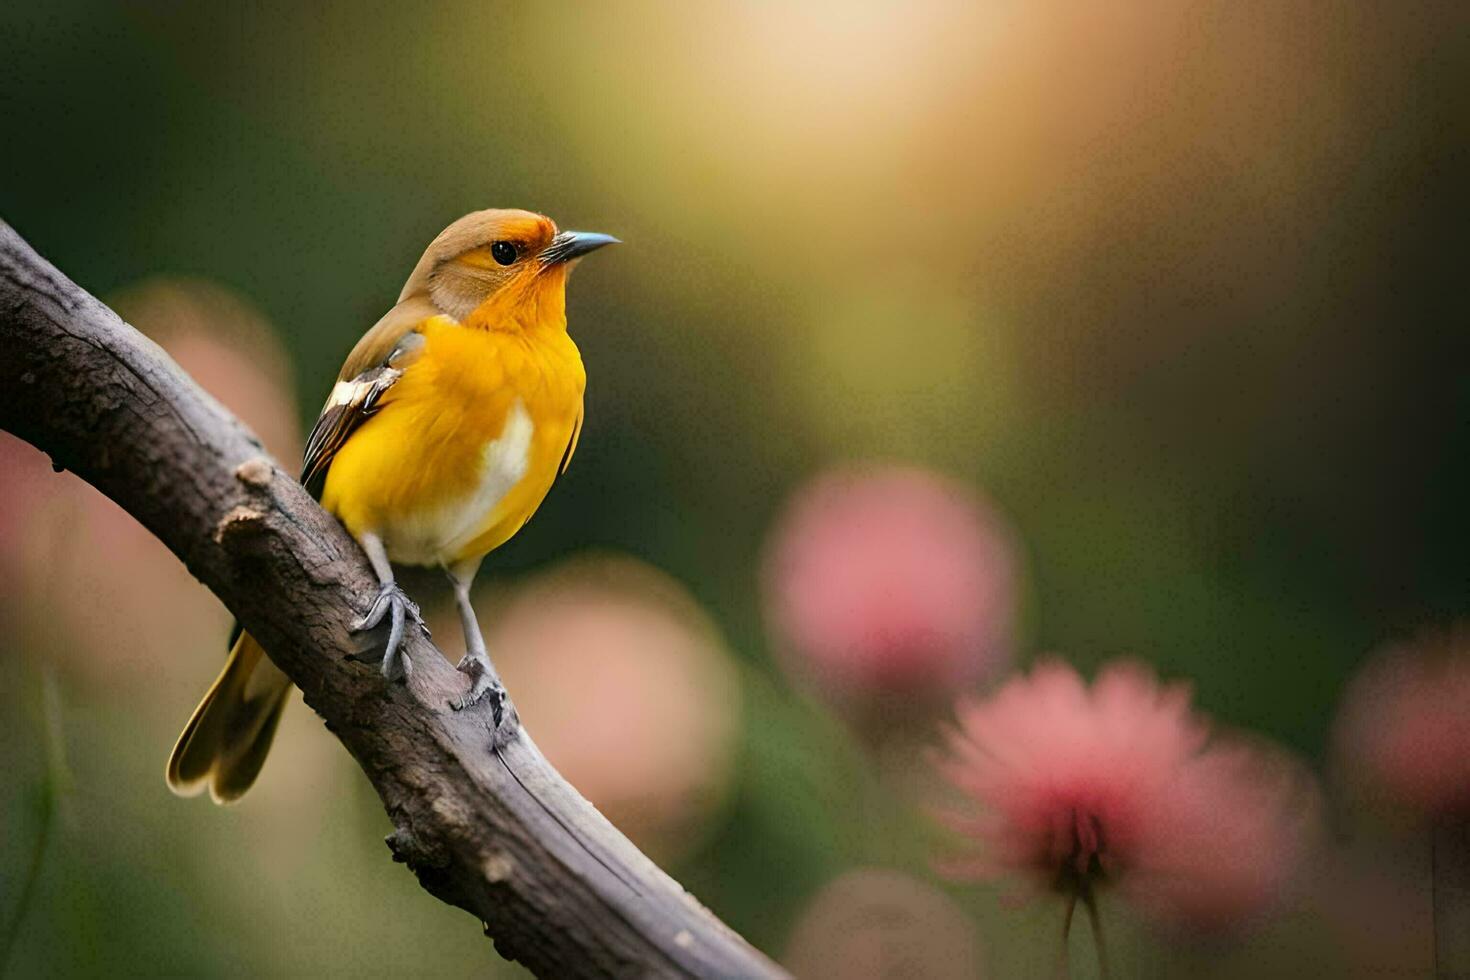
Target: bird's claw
x,y
389,597
483,683
399,609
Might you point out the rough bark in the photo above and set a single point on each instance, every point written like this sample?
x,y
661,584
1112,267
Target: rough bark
x,y
493,830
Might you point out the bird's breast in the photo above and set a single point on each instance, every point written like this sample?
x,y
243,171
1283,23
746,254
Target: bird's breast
x,y
463,450
437,522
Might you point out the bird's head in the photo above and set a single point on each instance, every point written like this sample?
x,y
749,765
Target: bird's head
x,y
501,268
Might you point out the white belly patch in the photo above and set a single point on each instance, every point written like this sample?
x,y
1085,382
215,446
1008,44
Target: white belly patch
x,y
435,537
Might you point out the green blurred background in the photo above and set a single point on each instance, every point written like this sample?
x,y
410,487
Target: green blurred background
x,y
1176,286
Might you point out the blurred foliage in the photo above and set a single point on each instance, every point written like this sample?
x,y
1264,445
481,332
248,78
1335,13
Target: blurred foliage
x,y
1176,285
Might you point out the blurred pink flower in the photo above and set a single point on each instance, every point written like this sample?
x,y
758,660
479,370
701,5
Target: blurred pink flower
x,y
90,589
101,592
1122,784
25,498
227,346
891,581
627,686
1403,731
876,923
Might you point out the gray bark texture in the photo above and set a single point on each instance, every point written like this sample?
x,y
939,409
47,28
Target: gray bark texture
x,y
492,829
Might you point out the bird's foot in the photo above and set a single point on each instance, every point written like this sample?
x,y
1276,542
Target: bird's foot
x,y
391,603
484,682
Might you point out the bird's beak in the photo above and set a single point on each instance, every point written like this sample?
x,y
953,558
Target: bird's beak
x,y
570,245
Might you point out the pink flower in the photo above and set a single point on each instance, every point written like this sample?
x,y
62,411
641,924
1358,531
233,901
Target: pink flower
x,y
83,566
26,494
627,686
1404,727
225,345
1122,784
876,923
891,580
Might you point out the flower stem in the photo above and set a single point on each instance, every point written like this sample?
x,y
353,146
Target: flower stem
x,y
51,790
1064,968
1089,898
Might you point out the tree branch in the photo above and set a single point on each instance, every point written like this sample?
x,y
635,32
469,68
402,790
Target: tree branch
x,y
496,832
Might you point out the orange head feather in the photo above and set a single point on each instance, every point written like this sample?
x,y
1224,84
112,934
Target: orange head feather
x,y
501,270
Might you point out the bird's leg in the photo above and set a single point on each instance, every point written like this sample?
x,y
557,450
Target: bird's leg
x,y
392,603
484,681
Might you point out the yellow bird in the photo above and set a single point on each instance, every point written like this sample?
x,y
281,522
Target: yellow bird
x,y
449,422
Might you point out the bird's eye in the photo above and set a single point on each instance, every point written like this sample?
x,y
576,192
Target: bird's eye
x,y
503,252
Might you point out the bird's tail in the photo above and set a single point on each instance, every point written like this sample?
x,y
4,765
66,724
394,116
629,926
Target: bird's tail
x,y
227,739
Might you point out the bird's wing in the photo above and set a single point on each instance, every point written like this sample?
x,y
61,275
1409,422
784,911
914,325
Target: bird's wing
x,y
566,460
376,362
566,456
